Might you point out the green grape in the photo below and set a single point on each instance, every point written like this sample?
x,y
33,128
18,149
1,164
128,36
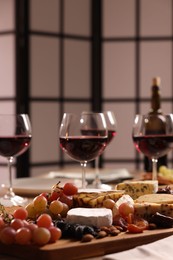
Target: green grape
x,y
16,223
56,207
31,210
20,213
23,236
44,220
8,235
40,203
56,234
65,210
32,226
41,236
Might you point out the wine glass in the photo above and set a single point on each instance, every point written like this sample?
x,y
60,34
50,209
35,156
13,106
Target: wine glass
x,y
15,138
83,137
153,136
112,130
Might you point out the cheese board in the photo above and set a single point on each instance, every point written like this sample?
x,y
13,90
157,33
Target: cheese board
x,y
74,250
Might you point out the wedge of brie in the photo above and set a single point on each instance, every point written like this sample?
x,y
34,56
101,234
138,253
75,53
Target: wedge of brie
x,y
90,216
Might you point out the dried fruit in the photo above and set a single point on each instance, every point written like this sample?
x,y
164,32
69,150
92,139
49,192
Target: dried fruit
x,y
161,220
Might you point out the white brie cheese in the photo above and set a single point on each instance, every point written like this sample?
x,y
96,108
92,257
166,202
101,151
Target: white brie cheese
x,y
90,216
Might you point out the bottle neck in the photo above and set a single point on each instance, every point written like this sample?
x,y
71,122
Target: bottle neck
x,y
155,101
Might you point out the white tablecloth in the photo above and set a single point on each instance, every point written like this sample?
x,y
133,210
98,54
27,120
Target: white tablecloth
x,y
159,250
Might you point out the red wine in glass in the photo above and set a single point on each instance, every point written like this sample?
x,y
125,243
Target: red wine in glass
x,y
15,139
14,145
153,145
83,148
153,136
111,128
83,137
111,133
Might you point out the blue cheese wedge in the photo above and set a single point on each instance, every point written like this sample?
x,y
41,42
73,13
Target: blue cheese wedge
x,y
90,216
138,188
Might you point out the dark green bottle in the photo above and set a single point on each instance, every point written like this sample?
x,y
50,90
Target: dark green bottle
x,y
155,110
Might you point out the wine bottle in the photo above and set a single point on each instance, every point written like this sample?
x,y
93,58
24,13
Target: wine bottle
x,y
155,110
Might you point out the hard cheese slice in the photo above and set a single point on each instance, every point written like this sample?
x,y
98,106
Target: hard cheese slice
x,y
149,204
146,210
156,198
95,199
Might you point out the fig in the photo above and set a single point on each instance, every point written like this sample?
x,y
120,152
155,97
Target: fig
x,y
161,221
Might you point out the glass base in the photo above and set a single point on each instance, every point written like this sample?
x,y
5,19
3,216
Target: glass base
x,y
15,200
99,186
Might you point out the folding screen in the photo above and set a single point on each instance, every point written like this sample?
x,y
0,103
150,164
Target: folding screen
x,y
84,55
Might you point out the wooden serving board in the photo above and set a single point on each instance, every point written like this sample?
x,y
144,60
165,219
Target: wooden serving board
x,y
69,249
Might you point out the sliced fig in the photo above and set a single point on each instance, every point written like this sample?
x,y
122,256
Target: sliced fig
x,y
161,221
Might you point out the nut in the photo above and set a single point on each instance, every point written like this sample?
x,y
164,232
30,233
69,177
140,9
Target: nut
x,y
115,232
87,238
101,234
119,228
106,229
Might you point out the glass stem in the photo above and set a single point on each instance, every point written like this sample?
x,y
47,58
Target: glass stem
x,y
97,182
10,192
83,165
154,168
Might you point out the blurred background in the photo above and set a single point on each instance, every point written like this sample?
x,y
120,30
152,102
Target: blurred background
x,y
73,55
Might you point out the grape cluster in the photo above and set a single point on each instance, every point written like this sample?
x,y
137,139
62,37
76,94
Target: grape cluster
x,y
166,173
55,203
34,223
18,230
